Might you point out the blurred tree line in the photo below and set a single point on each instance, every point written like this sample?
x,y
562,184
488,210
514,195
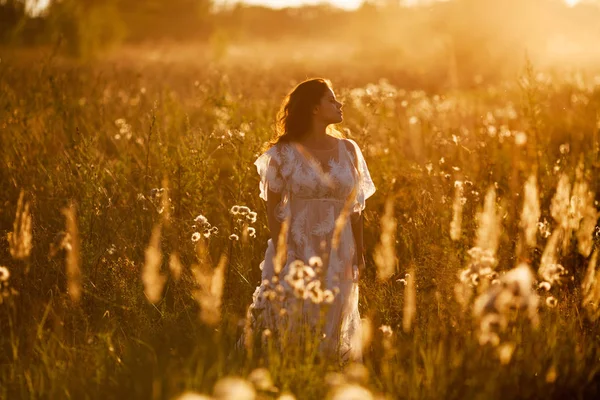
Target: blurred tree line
x,y
88,26
466,35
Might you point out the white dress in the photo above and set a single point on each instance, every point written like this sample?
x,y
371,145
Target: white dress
x,y
312,200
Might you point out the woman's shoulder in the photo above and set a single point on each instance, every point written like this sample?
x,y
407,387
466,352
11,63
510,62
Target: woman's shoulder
x,y
351,146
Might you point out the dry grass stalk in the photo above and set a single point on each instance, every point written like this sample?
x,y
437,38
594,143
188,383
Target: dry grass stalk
x,y
550,270
385,251
584,216
560,207
20,239
531,211
153,280
210,289
488,230
175,265
73,255
165,201
281,252
591,289
410,301
457,209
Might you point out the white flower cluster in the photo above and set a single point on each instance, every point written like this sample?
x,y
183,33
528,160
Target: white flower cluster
x,y
500,303
482,265
243,217
202,224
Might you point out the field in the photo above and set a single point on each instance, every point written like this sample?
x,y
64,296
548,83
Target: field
x,y
114,286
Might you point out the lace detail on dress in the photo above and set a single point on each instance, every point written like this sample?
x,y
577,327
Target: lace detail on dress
x,y
325,226
366,187
269,167
299,227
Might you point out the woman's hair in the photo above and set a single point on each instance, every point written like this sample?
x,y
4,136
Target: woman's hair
x,y
295,115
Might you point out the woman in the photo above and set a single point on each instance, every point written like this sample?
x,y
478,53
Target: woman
x,y
315,184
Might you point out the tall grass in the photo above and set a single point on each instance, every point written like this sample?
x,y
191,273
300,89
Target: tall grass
x,y
147,161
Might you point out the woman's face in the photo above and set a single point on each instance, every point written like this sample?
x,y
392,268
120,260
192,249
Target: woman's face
x,y
329,110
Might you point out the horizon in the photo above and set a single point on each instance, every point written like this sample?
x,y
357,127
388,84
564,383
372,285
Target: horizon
x,y
37,7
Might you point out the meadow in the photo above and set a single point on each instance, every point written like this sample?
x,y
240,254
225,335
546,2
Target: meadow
x,y
124,272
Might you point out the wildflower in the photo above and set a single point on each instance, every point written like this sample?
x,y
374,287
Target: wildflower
x,y
544,229
251,232
234,237
4,274
251,217
206,233
551,302
201,219
520,138
351,392
261,379
545,285
328,296
232,388
299,272
386,330
20,239
315,262
195,236
514,292
314,292
505,353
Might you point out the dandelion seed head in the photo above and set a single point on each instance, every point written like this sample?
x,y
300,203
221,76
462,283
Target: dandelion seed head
x,y
351,392
261,379
4,274
545,285
315,262
201,219
520,138
551,302
233,388
505,352
386,330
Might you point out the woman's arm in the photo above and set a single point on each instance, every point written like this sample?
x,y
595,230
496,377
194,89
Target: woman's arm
x,y
273,200
356,220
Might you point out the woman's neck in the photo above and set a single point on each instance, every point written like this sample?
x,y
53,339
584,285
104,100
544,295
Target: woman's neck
x,y
317,134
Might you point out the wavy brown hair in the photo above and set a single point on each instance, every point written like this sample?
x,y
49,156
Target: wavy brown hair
x,y
295,114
